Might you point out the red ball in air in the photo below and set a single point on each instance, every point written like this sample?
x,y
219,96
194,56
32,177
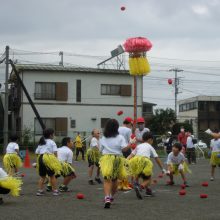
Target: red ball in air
x,y
133,146
119,113
80,196
123,8
23,175
170,81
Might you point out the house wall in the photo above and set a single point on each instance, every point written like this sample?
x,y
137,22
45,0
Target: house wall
x,y
93,104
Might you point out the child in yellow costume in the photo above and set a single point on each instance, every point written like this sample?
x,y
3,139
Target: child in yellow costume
x,y
48,162
215,156
112,162
141,165
12,160
93,156
9,184
65,156
176,164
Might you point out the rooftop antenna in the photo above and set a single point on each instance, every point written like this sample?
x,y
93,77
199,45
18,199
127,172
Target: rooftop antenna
x,y
117,60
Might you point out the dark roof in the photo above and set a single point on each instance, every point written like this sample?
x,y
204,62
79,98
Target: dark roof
x,y
149,103
72,69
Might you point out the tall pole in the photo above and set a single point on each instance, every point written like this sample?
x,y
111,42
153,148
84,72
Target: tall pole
x,y
135,101
176,86
6,98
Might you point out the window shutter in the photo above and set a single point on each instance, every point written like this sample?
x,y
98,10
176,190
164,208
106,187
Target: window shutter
x,y
61,126
78,90
125,90
61,91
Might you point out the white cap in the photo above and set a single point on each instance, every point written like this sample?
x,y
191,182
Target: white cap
x,y
169,132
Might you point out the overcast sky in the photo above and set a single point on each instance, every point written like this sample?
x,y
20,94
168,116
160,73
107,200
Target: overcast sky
x,y
184,30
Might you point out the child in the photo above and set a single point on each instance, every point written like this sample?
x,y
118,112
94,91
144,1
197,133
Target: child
x,y
141,165
112,162
215,156
65,156
9,185
176,163
48,162
93,156
11,160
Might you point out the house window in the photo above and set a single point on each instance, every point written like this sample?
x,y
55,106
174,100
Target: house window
x,y
217,106
201,106
73,123
58,124
45,90
120,90
110,89
147,108
103,122
51,91
78,90
48,122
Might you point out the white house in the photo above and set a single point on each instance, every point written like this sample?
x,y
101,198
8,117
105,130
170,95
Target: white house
x,y
71,99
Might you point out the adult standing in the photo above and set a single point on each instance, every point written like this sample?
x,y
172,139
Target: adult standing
x,y
190,149
140,130
182,138
79,146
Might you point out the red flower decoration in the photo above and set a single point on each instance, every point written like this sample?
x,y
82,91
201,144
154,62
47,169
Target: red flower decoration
x,y
137,44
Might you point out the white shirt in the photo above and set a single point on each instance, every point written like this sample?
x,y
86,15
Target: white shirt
x,y
94,143
49,148
189,142
139,134
145,150
126,133
113,145
12,146
215,145
172,159
3,174
65,154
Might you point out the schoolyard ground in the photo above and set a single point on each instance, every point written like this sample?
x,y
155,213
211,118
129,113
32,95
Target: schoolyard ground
x,y
167,203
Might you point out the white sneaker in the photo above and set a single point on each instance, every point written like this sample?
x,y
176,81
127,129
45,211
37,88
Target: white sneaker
x,y
56,193
212,178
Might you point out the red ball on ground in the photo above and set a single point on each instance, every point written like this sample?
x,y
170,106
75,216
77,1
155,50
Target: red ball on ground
x,y
203,196
80,196
155,181
160,176
182,192
130,185
205,184
183,186
123,8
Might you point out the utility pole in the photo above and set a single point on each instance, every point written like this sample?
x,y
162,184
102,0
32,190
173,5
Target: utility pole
x,y
176,85
6,98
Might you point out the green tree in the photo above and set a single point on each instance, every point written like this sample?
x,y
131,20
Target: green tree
x,y
162,121
186,125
